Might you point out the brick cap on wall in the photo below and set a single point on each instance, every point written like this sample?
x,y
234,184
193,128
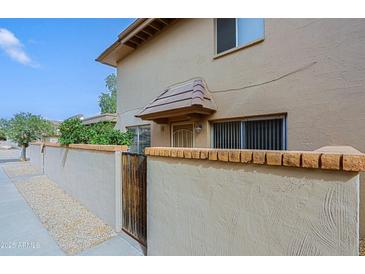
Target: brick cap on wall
x,y
107,148
328,158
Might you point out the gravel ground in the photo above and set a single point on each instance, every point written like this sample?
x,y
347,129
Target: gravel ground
x,y
20,169
362,247
73,226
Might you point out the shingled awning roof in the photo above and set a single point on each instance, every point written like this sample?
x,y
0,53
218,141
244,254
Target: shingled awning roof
x,y
187,100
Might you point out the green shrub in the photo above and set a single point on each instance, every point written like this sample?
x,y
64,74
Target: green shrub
x,y
74,132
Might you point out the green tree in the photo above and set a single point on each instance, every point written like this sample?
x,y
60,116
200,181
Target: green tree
x,y
25,128
3,128
108,100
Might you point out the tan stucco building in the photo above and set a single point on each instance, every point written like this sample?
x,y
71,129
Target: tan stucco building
x,y
293,84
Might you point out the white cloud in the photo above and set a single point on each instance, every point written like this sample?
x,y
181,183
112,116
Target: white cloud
x,y
14,48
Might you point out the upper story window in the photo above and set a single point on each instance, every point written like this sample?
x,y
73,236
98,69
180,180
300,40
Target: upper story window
x,y
238,32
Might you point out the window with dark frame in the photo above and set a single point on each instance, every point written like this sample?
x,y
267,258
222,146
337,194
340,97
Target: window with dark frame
x,y
236,32
266,133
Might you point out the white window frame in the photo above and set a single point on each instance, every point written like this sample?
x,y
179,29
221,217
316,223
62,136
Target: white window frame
x,y
138,127
238,47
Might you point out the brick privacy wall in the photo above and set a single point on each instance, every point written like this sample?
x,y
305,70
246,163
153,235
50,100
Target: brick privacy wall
x,y
301,159
256,204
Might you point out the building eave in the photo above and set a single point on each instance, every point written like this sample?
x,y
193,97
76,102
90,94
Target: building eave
x,y
106,117
131,38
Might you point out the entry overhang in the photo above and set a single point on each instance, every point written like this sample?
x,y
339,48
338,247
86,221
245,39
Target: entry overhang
x,y
187,100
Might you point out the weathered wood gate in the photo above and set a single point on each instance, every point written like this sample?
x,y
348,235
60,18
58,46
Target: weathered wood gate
x,y
134,196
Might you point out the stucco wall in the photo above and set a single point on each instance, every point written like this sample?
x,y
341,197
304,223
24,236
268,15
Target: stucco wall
x,y
88,176
200,207
36,156
323,101
323,97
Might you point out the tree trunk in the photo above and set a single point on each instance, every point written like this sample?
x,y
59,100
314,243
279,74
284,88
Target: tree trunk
x,y
23,155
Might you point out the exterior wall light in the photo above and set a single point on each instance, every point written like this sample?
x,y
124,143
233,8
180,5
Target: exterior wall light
x,y
198,128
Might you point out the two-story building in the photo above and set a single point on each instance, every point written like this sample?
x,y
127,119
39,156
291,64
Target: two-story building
x,y
293,84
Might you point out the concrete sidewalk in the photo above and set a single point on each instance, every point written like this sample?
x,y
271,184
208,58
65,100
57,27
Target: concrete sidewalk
x,y
116,246
21,232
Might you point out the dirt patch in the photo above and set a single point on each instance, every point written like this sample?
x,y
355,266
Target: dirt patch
x,y
73,226
362,247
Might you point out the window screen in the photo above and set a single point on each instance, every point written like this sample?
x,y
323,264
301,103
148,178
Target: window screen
x,y
226,34
235,32
227,135
250,134
144,138
264,134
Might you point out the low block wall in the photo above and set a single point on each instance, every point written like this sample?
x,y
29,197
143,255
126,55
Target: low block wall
x,y
209,202
89,173
36,155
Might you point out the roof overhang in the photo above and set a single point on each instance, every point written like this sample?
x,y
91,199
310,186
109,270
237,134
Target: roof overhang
x,y
106,117
132,37
185,101
183,114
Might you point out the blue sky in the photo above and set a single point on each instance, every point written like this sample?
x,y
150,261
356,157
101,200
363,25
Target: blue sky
x,y
48,67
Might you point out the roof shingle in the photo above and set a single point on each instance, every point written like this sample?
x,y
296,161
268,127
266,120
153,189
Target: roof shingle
x,y
191,96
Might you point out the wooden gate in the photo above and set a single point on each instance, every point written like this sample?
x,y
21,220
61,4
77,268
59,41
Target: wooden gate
x,y
134,196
